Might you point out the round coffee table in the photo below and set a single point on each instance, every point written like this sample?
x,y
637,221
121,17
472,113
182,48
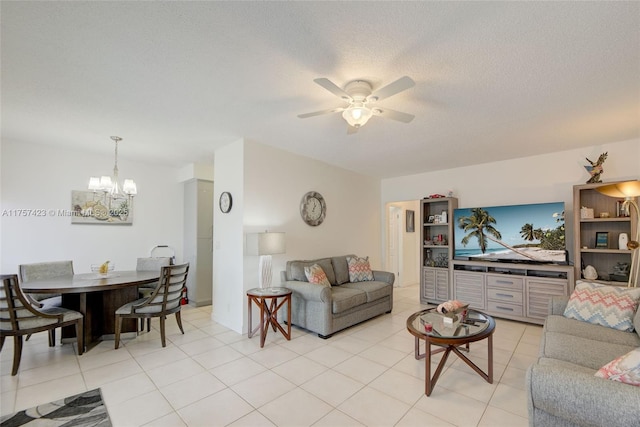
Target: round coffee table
x,y
450,337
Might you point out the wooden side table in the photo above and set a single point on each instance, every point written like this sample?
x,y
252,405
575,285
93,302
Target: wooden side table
x,y
267,300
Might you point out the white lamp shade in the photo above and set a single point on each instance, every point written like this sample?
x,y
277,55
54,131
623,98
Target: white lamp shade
x,y
266,243
94,183
626,189
357,115
129,187
105,183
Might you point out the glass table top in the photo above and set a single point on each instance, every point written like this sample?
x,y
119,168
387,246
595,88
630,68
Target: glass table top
x,y
269,292
430,322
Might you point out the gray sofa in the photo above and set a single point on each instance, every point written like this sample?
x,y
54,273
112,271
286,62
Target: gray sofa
x,y
561,387
329,309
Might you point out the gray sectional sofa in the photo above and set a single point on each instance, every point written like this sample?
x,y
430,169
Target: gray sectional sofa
x,y
562,387
329,309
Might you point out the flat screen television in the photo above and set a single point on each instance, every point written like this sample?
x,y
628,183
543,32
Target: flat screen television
x,y
531,233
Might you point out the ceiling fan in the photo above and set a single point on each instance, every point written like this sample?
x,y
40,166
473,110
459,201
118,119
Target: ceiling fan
x,y
360,96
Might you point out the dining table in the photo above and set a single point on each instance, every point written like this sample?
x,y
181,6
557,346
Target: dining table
x,y
97,296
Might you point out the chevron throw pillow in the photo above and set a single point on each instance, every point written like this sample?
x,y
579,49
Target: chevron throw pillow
x,y
359,269
625,369
315,274
610,306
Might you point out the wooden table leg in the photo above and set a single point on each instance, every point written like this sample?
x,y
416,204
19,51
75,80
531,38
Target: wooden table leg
x,y
250,325
263,330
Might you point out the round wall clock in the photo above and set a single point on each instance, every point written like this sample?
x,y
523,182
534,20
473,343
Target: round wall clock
x,y
225,202
313,208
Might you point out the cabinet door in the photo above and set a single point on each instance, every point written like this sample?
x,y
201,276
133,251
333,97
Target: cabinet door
x,y
428,284
442,284
539,292
470,288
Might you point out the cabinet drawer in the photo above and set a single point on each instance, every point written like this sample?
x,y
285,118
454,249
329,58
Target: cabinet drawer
x,y
495,307
506,295
505,281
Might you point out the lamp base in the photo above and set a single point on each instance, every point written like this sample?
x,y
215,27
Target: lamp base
x,y
265,271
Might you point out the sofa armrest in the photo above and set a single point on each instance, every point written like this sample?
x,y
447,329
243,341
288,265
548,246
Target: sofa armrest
x,y
581,398
384,276
309,291
558,304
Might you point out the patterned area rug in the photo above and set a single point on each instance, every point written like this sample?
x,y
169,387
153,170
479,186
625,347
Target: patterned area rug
x,y
82,410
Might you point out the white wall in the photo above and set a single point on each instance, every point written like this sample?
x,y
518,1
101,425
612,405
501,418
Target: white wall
x,y
35,176
228,297
271,183
535,179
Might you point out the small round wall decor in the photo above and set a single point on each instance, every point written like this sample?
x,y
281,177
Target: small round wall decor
x,y
226,201
313,208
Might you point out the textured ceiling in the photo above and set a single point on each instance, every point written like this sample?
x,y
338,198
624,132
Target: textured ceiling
x,y
176,80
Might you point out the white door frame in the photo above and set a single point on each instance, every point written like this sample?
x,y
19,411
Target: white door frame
x,y
394,242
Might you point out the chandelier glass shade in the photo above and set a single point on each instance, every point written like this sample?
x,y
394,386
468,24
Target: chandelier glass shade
x,y
357,114
110,185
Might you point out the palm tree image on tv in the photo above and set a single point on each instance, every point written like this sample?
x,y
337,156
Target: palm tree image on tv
x,y
525,241
549,239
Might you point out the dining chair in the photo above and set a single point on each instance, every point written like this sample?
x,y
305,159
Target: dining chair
x,y
46,270
19,317
164,300
150,264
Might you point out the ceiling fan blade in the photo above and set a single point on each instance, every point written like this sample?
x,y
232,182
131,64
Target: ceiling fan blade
x,y
393,114
403,83
319,113
351,130
331,87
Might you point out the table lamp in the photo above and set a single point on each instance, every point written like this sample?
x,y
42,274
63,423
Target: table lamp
x,y
264,245
628,190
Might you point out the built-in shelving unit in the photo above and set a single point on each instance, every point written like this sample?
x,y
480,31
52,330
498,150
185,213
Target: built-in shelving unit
x,y
604,260
436,236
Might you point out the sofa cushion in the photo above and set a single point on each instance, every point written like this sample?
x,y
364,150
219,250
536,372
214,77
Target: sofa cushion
x,y
345,298
316,275
359,269
579,350
341,268
605,305
625,369
586,330
374,290
295,269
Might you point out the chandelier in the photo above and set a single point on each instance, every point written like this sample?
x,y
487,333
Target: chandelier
x,y
110,186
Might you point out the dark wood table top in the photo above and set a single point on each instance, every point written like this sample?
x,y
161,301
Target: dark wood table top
x,y
90,282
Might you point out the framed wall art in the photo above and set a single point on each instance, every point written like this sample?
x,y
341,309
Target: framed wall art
x,y
89,207
410,221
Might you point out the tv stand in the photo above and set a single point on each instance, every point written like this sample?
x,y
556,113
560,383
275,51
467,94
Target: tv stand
x,y
511,290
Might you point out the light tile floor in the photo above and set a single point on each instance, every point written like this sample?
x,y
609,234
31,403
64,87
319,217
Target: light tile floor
x,y
212,376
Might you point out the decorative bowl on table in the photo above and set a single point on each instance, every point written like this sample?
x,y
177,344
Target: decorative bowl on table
x,y
103,269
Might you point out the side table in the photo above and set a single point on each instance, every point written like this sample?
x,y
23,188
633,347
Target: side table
x,y
267,301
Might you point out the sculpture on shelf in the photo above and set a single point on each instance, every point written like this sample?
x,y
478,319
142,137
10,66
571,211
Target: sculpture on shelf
x,y
595,169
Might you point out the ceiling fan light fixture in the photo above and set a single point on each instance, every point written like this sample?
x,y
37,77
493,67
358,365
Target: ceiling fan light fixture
x,y
357,114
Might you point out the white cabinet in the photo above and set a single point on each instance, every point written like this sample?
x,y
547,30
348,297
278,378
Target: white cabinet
x,y
511,291
198,240
435,284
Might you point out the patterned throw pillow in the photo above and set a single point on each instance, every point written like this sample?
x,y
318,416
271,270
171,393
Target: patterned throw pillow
x,y
610,306
625,369
359,269
316,275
